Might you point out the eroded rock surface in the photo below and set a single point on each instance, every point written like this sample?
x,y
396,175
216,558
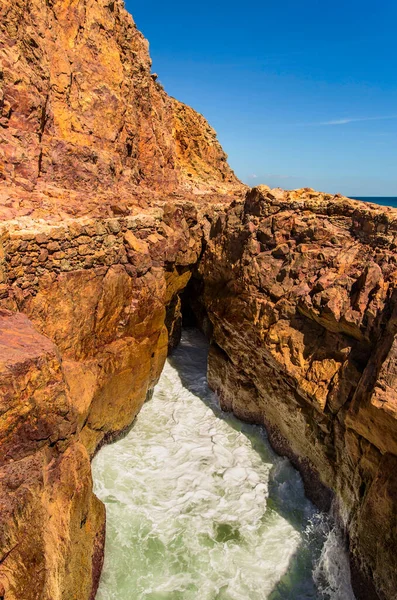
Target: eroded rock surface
x,y
90,309
51,524
110,191
84,126
300,290
98,236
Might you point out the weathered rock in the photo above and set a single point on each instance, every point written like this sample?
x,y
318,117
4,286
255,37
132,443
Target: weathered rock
x,y
51,524
110,318
106,315
108,192
84,127
95,248
300,290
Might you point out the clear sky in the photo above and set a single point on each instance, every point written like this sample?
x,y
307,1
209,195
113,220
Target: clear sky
x,y
301,92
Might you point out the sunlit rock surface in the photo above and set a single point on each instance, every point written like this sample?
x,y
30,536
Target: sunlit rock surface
x,y
51,524
300,290
95,161
110,192
84,126
105,293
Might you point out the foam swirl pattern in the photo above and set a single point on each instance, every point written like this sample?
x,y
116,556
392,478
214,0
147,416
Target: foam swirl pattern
x,y
200,508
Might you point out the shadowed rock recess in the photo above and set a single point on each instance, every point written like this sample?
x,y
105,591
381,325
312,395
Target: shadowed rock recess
x,y
114,200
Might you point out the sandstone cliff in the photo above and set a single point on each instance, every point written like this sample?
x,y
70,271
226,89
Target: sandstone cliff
x,y
97,238
300,290
111,195
84,126
102,297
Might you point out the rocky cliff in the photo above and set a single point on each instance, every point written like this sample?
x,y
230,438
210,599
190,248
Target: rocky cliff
x,y
88,311
85,128
300,291
107,187
111,195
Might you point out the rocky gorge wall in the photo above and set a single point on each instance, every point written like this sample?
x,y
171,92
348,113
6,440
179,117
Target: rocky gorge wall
x,y
299,289
111,195
88,310
98,235
298,293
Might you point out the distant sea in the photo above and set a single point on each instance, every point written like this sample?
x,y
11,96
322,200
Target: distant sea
x,y
383,200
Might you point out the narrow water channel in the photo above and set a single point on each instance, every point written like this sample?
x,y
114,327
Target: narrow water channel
x,y
200,508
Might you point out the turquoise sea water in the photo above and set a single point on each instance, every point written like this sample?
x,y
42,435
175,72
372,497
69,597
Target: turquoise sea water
x,y
383,200
199,507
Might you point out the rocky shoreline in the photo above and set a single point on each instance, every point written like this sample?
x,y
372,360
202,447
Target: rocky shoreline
x,y
118,212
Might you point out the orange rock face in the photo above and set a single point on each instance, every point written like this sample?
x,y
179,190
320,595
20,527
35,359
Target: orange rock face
x,y
51,524
111,194
95,247
300,290
105,293
84,126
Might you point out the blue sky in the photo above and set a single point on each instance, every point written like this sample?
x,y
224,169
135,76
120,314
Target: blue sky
x,y
301,92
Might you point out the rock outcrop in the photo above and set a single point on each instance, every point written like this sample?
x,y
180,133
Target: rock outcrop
x,y
51,525
102,298
84,125
111,195
107,187
300,289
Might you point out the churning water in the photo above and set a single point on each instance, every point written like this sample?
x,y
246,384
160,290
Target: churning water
x,y
200,508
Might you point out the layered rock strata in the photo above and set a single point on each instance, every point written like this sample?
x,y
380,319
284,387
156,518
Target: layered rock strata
x,y
299,288
95,246
85,127
102,297
99,237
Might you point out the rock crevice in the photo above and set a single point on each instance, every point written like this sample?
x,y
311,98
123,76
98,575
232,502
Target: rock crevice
x,y
112,195
296,291
90,309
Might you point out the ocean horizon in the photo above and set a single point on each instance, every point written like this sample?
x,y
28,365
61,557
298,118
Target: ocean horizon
x,y
382,200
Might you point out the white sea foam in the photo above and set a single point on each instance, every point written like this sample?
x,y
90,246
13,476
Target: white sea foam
x,y
200,508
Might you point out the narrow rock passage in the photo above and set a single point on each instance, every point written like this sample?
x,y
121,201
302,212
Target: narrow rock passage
x,y
200,508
